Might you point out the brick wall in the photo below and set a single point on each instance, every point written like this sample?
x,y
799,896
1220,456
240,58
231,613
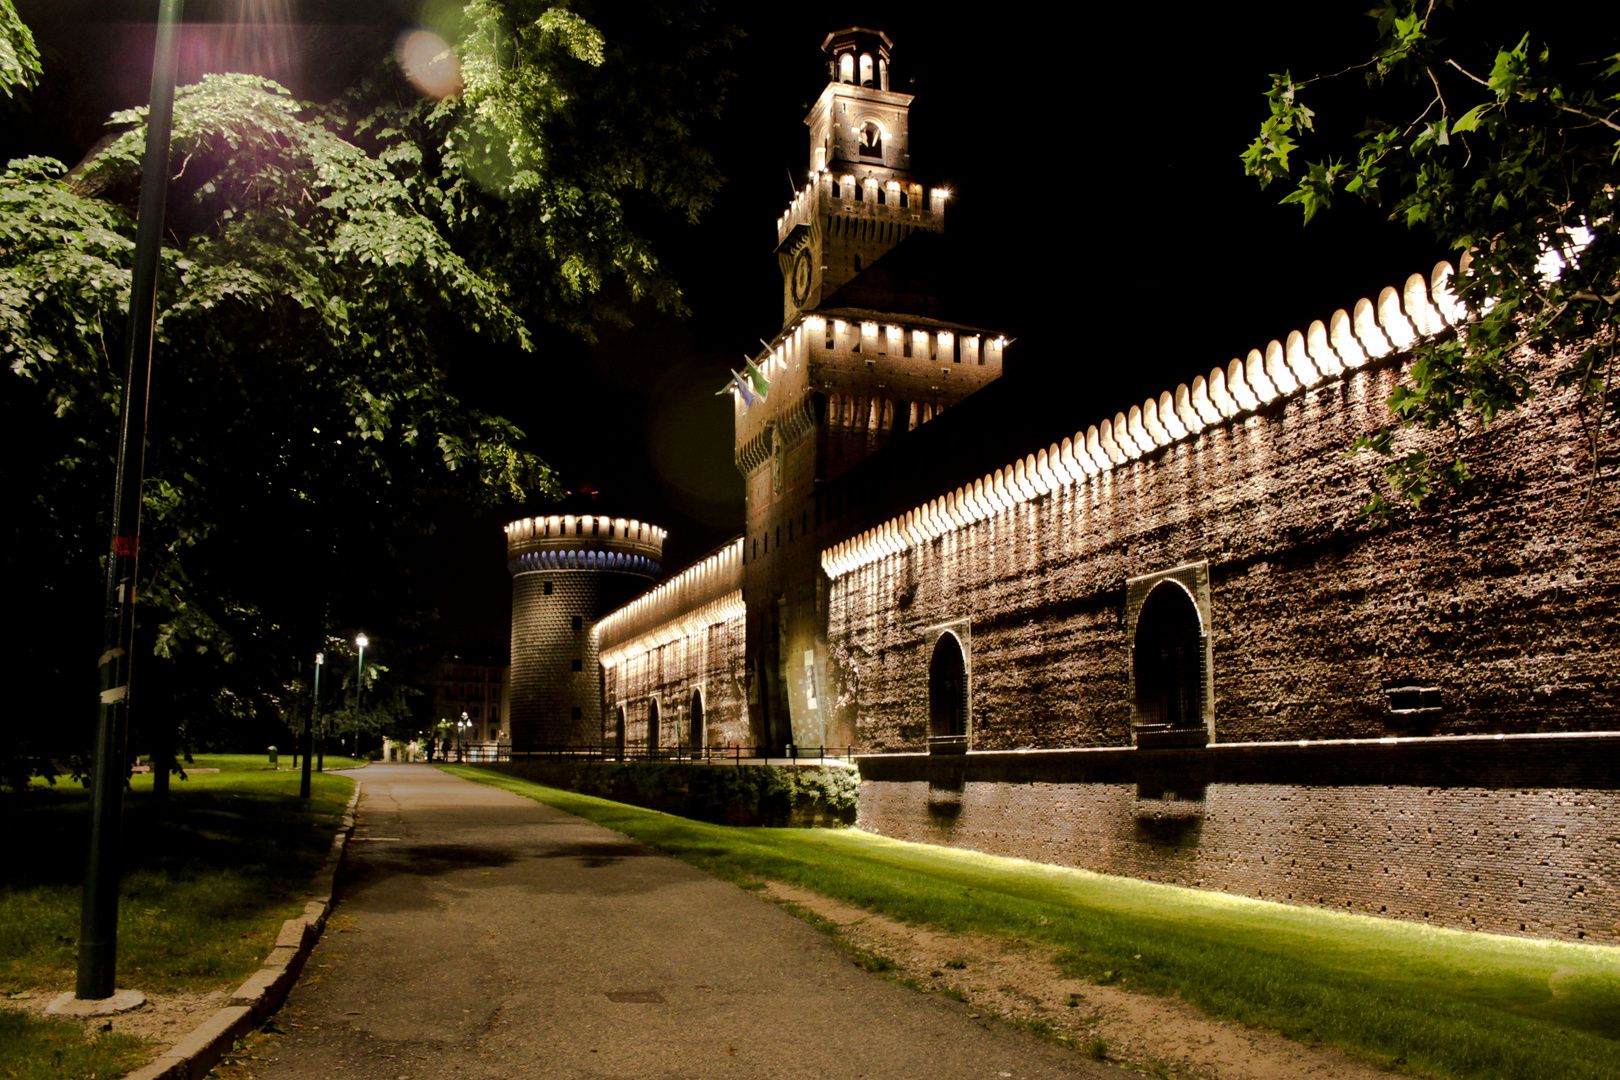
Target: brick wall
x,y
708,661
1517,836
1507,605
551,703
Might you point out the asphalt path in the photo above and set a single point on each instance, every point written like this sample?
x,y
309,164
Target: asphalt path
x,y
482,936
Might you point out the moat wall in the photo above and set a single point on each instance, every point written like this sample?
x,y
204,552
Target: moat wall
x,y
1515,836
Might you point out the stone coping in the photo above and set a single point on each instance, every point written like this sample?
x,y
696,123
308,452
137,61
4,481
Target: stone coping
x,y
1531,760
262,994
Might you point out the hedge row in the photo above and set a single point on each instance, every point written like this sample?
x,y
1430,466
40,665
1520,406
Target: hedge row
x,y
770,795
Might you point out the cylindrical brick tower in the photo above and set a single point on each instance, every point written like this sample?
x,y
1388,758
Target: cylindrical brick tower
x,y
567,572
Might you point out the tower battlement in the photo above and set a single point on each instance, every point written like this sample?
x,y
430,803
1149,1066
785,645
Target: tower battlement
x,y
584,542
867,197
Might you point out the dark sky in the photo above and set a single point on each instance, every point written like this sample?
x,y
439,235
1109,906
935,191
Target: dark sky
x,y
1097,194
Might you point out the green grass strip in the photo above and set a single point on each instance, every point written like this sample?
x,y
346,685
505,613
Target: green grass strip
x,y
1431,1001
208,878
35,1049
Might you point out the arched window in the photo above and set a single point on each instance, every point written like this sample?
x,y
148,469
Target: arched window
x,y
846,68
866,70
1168,660
947,688
872,140
700,735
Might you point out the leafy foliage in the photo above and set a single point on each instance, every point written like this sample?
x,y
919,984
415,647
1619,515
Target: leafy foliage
x,y
303,411
19,58
568,138
1505,152
329,277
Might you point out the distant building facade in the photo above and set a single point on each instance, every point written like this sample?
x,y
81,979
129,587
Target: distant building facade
x,y
1161,644
478,689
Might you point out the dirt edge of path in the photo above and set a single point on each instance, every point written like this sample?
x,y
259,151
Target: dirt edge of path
x,y
1018,982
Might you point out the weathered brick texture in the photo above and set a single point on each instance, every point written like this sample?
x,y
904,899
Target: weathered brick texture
x,y
708,663
546,690
1523,860
1509,604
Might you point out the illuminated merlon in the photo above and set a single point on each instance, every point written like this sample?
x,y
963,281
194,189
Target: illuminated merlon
x,y
1421,308
705,593
584,542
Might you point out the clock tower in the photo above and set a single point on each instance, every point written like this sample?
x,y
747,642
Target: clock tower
x,y
866,354
861,199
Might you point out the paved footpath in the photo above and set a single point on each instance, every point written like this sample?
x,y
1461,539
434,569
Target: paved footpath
x,y
482,936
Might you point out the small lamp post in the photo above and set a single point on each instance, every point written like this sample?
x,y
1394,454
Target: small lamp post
x,y
461,736
308,740
360,643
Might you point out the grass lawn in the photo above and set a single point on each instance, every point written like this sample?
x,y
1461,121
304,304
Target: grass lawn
x,y
208,879
1426,1000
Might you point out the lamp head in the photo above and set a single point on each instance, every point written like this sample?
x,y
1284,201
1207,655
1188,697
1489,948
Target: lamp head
x,y
362,641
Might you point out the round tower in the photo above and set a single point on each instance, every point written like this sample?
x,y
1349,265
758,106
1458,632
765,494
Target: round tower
x,y
567,572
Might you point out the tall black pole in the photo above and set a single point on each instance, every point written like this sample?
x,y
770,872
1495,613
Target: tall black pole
x,y
309,731
98,917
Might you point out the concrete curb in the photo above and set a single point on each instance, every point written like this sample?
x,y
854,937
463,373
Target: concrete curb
x,y
255,1000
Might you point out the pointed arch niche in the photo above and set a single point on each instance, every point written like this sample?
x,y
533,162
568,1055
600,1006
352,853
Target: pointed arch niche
x,y
949,695
1172,681
700,735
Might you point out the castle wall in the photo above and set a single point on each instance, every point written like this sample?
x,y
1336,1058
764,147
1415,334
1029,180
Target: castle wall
x,y
679,650
1484,617
707,662
1506,605
1511,837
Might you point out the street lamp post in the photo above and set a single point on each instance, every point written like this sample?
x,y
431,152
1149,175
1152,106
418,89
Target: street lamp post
x,y
461,737
360,643
309,731
98,911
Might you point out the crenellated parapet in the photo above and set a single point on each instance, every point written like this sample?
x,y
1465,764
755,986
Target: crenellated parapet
x,y
900,202
707,592
584,542
1420,308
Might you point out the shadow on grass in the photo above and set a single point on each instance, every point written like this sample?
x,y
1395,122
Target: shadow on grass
x,y
207,876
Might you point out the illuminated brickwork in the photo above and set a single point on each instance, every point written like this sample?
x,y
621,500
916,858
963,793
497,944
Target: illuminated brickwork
x,y
1513,836
1504,609
672,661
567,572
1171,648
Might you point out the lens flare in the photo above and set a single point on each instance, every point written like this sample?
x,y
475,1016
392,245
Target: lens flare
x,y
429,63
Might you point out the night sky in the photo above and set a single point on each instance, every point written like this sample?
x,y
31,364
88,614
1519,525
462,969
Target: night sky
x,y
1097,196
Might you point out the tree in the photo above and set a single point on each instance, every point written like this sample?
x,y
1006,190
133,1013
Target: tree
x,y
315,305
1506,152
566,138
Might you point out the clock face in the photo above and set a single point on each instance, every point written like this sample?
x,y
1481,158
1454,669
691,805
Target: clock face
x,y
801,277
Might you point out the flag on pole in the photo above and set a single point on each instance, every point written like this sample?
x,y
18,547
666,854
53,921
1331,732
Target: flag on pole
x,y
762,385
740,386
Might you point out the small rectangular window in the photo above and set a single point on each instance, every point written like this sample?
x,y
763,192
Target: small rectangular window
x,y
579,622
577,713
548,588
1406,700
579,665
